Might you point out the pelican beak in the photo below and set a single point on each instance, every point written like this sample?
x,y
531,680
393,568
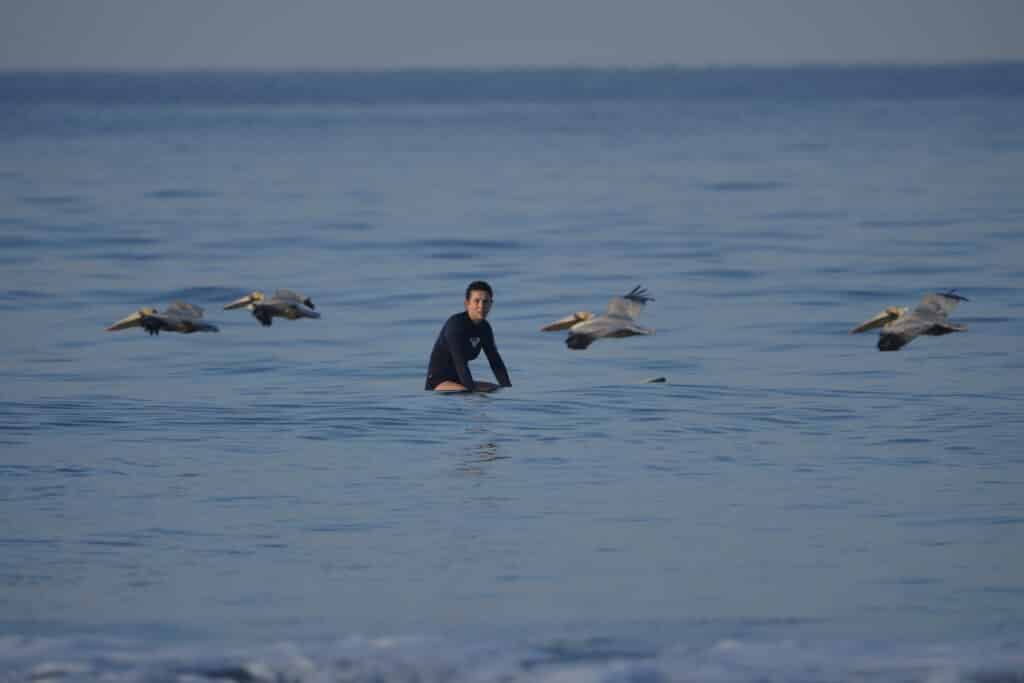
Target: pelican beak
x,y
134,320
883,318
240,303
567,322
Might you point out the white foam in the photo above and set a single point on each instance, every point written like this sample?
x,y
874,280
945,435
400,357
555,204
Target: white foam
x,y
425,659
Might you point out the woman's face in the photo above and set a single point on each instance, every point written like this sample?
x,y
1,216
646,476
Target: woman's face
x,y
478,305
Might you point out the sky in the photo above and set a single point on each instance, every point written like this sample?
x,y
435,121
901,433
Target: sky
x,y
371,34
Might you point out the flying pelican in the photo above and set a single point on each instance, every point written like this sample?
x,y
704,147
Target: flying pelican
x,y
284,304
179,317
900,325
618,321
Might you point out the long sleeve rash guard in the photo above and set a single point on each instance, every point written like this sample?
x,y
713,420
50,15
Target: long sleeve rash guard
x,y
459,342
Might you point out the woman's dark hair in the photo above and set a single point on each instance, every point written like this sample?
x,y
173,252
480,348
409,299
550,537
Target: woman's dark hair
x,y
479,286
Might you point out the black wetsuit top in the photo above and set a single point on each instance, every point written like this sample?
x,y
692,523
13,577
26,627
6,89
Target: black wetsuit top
x,y
460,341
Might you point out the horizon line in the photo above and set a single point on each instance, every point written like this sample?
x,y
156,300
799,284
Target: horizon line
x,y
469,68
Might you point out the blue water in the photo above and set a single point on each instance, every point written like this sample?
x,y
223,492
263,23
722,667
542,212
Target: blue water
x,y
288,504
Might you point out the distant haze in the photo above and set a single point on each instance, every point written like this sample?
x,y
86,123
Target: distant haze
x,y
320,34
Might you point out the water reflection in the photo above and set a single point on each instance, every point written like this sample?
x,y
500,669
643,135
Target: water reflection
x,y
473,459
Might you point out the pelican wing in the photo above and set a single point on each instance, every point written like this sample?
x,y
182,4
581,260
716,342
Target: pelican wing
x,y
181,317
909,326
937,307
607,326
287,296
629,305
299,305
931,317
179,310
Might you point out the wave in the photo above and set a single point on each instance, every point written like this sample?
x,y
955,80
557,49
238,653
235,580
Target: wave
x,y
423,659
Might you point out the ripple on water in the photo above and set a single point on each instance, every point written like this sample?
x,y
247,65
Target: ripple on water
x,y
180,194
744,186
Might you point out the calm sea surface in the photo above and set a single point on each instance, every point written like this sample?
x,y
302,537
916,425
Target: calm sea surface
x,y
288,504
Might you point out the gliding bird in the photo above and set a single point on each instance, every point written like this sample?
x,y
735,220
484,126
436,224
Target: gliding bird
x,y
284,304
618,321
179,317
900,326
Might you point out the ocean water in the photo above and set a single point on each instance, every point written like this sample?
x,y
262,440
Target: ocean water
x,y
288,504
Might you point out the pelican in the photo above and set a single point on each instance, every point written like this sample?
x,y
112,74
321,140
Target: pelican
x,y
179,317
284,304
900,326
618,321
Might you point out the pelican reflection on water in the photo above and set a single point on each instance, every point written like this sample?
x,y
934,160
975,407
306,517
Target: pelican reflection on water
x,y
619,320
900,326
178,317
284,304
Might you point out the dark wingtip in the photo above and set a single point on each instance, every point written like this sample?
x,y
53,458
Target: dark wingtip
x,y
953,295
638,294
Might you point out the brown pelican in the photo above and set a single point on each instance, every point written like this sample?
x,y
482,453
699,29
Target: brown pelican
x,y
179,317
618,321
284,304
900,325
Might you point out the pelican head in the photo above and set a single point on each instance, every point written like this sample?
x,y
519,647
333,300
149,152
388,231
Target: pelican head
x,y
880,320
247,300
568,321
134,320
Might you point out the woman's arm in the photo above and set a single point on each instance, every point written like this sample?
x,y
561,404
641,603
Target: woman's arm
x,y
494,358
454,336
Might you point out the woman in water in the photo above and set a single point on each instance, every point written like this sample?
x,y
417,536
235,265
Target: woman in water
x,y
460,341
